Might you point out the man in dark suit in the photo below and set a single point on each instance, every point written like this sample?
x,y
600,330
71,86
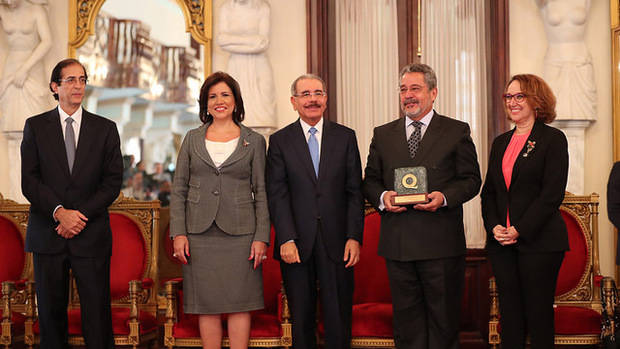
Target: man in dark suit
x,y
71,172
313,180
613,201
423,244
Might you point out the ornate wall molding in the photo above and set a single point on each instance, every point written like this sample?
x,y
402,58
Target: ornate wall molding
x,y
197,14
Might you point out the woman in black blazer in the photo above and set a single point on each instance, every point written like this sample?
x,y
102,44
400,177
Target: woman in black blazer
x,y
521,196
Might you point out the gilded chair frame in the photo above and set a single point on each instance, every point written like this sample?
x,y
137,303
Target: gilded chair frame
x,y
614,7
371,342
587,293
170,291
197,14
145,214
21,301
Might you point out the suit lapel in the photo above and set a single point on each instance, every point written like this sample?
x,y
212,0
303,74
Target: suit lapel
x,y
56,140
397,143
503,145
433,134
520,158
87,133
241,149
327,143
198,143
298,141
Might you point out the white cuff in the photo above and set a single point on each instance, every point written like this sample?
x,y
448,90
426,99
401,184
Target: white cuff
x,y
381,206
54,213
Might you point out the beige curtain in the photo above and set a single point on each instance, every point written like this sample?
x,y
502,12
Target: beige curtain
x,y
454,44
367,66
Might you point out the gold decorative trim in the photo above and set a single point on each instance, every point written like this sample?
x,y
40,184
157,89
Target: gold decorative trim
x,y
581,215
419,53
171,317
197,14
614,12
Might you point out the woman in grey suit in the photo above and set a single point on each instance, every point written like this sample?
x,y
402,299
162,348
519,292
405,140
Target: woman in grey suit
x,y
218,215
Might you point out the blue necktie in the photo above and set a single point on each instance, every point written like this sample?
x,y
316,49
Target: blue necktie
x,y
70,143
313,146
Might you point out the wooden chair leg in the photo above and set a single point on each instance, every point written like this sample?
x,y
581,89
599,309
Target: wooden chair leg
x,y
170,291
494,337
5,336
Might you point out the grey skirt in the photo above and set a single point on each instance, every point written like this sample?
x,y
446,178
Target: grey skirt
x,y
219,278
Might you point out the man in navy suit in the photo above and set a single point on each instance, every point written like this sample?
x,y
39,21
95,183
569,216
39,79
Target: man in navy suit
x,y
71,172
313,180
423,244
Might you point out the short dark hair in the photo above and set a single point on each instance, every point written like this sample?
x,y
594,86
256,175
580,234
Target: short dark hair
x,y
57,72
538,94
217,77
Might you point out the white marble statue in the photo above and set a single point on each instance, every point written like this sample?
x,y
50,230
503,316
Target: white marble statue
x,y
23,85
243,30
568,65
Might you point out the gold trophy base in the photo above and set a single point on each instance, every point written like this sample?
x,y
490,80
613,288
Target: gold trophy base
x,y
410,199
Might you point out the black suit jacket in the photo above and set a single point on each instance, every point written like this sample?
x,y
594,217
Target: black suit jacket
x,y
299,201
449,155
92,186
613,201
535,194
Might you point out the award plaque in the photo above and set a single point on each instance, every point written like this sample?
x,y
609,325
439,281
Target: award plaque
x,y
410,185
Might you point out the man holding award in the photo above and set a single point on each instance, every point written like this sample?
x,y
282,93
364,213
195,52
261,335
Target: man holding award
x,y
421,169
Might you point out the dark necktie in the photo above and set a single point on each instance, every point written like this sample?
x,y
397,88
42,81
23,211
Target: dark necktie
x,y
70,143
414,140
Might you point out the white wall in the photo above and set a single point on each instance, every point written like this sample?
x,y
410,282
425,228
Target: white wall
x,y
528,44
287,51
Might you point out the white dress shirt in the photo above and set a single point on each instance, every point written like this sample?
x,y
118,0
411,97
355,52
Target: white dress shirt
x,y
426,120
319,132
77,122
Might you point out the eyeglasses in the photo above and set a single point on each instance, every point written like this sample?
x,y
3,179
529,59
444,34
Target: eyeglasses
x,y
308,94
414,89
519,97
72,80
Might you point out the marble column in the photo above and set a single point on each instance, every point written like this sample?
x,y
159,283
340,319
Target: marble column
x,y
575,131
14,140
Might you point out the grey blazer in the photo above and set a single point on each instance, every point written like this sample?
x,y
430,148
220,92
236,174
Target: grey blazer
x,y
233,195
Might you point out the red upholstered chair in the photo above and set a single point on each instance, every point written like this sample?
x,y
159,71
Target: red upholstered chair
x,y
578,303
372,303
371,325
15,273
168,267
270,327
133,276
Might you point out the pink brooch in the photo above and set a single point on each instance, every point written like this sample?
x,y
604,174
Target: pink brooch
x,y
245,143
530,147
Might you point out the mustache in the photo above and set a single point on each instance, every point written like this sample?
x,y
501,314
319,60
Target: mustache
x,y
410,100
313,104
